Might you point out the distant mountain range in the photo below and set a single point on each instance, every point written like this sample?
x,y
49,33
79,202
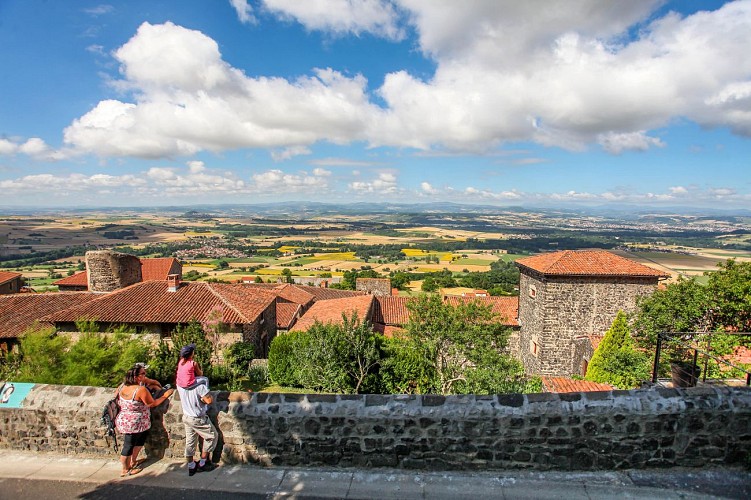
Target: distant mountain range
x,y
296,209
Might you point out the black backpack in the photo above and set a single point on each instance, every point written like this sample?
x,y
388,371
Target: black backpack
x,y
109,413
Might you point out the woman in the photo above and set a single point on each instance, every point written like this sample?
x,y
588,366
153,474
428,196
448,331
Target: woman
x,y
134,419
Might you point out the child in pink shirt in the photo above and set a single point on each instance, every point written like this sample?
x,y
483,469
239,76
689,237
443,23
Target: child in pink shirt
x,y
188,371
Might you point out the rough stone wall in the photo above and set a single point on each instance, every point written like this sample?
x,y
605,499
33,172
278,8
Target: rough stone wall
x,y
565,308
262,331
580,431
380,287
109,271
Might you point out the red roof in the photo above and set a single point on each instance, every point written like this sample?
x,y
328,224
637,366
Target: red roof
x,y
294,293
6,276
507,308
18,312
587,263
331,311
562,384
80,278
286,312
159,268
151,302
393,310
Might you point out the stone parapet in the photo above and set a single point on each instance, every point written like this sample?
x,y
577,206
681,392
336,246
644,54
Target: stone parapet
x,y
578,431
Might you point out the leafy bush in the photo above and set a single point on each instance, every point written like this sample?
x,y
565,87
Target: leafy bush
x,y
283,364
42,354
97,359
239,356
258,374
163,361
407,367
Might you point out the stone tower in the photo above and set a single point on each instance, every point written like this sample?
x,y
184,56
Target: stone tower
x,y
109,271
572,295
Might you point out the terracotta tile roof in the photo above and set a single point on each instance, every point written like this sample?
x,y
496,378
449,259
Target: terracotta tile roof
x,y
6,276
286,313
506,308
587,263
150,302
330,311
151,269
391,310
158,268
18,312
562,384
81,278
294,293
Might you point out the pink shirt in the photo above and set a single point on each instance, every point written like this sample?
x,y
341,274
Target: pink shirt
x,y
186,373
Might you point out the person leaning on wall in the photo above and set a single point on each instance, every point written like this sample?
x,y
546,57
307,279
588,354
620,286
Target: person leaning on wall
x,y
134,419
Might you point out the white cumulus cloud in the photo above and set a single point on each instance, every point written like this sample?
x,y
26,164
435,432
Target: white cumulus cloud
x,y
244,11
377,17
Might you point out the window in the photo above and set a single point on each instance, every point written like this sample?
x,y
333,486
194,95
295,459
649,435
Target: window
x,y
534,346
532,291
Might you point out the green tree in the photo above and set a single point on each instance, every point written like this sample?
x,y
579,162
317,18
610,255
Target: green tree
x,y
729,293
42,355
466,345
408,367
283,360
287,275
616,361
400,280
163,363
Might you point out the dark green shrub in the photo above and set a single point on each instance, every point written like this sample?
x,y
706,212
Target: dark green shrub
x,y
616,361
407,368
283,360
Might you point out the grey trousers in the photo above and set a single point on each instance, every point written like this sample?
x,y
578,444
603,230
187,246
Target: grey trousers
x,y
199,426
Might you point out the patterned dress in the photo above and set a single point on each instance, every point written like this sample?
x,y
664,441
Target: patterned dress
x,y
134,416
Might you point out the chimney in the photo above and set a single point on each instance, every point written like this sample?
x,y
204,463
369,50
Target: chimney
x,y
173,282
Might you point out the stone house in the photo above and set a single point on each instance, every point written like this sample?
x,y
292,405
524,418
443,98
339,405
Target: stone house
x,y
10,282
21,311
374,286
156,308
569,299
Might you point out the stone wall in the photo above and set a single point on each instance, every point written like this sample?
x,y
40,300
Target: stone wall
x,y
109,271
380,287
579,431
553,311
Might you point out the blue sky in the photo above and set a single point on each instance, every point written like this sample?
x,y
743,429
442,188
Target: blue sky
x,y
535,103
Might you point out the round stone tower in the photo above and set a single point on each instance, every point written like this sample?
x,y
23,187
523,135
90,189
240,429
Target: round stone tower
x,y
109,271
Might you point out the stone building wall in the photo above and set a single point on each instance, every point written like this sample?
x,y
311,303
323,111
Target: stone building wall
x,y
109,271
563,309
693,427
262,331
380,287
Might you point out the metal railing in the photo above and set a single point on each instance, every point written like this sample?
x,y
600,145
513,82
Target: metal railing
x,y
676,338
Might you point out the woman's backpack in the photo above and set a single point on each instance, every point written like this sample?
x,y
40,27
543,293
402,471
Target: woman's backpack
x,y
109,414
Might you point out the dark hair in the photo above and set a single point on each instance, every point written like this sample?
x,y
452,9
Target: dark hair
x,y
132,375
